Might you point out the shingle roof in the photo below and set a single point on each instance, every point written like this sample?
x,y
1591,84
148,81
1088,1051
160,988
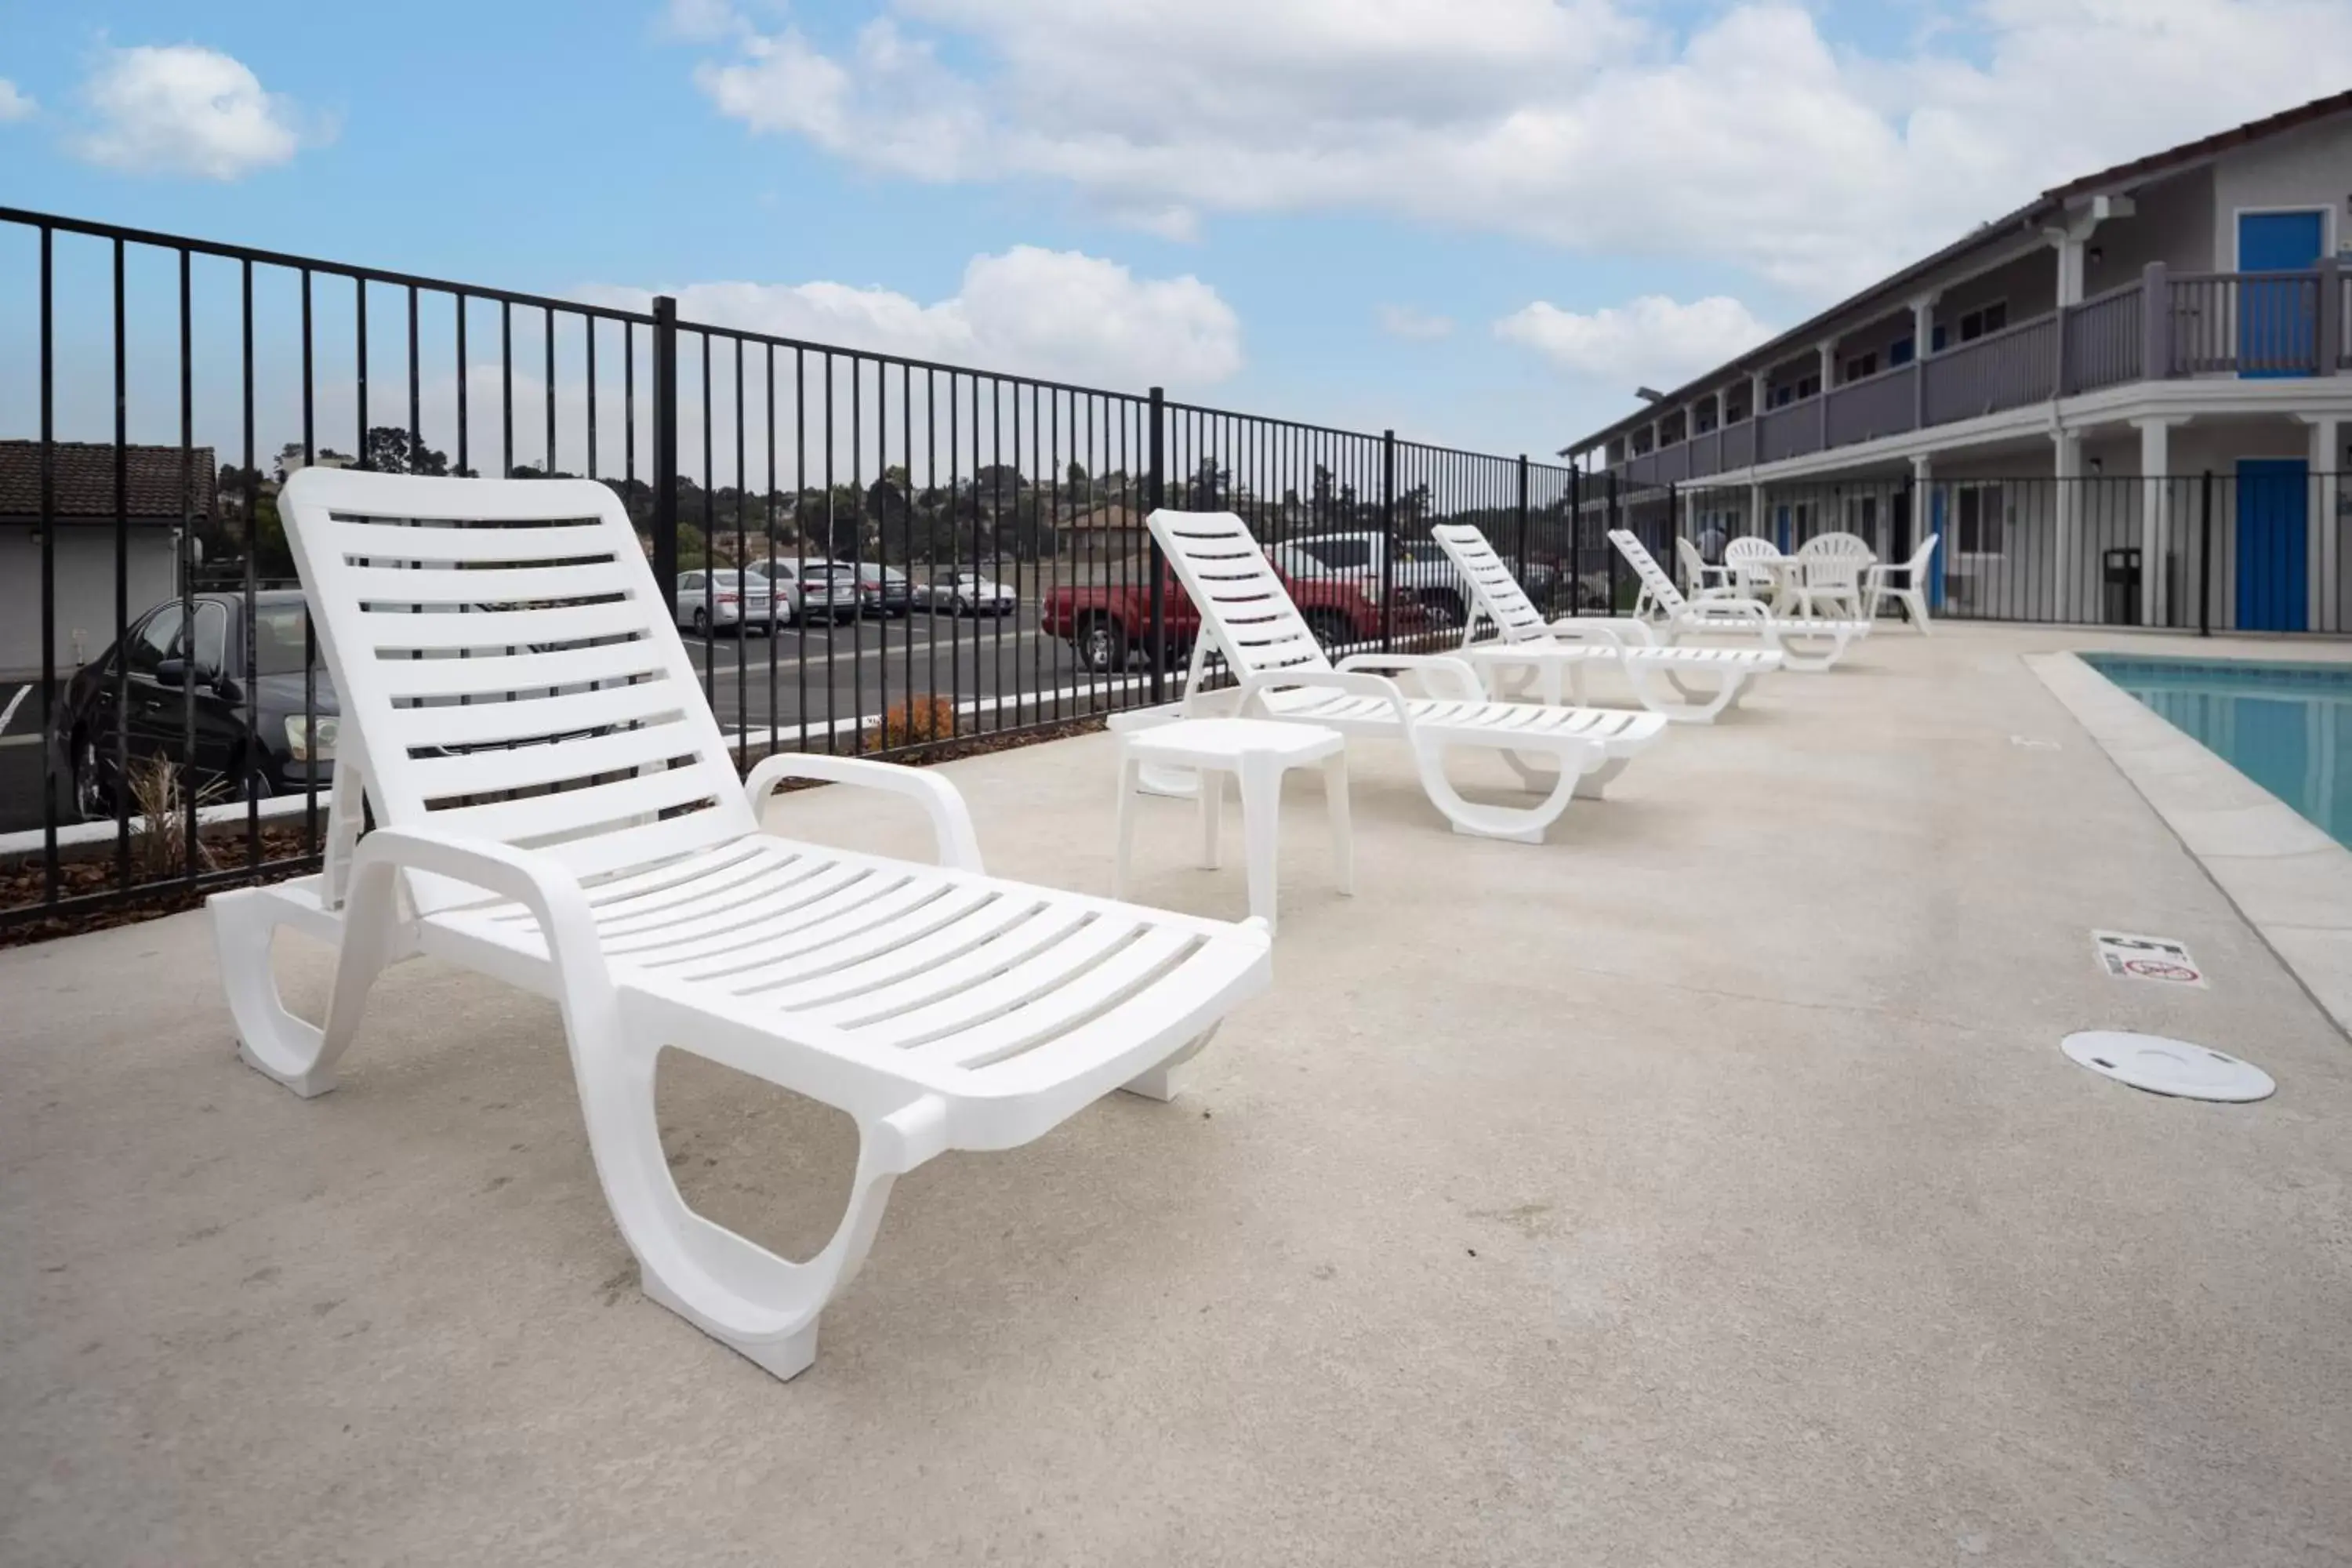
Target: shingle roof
x,y
82,476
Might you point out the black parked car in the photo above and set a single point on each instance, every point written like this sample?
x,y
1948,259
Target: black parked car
x,y
275,743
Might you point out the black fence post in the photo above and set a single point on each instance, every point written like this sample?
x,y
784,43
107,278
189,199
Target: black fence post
x,y
2205,554
1154,496
1388,541
665,421
1523,518
1607,550
1575,541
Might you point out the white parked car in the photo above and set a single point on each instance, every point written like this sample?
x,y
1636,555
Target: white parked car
x,y
1422,574
967,594
723,601
825,590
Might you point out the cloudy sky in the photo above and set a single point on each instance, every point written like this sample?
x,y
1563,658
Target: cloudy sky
x,y
1476,221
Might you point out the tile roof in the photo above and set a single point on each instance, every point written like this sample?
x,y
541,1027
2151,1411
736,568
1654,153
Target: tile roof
x,y
82,475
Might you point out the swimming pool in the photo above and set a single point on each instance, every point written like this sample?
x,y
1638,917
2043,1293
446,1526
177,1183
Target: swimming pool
x,y
2288,727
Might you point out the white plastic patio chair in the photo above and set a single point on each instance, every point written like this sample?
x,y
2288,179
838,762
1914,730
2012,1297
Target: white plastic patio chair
x,y
1684,685
1707,581
1829,579
1906,583
1752,563
555,806
1248,618
1807,645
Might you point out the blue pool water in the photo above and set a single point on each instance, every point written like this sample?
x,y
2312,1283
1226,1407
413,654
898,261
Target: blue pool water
x,y
2288,727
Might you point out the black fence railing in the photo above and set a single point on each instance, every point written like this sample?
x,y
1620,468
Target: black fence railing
x,y
868,554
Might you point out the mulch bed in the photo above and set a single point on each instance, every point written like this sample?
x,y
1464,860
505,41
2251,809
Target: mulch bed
x,y
93,871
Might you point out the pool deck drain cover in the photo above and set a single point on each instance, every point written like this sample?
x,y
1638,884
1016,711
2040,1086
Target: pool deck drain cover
x,y
2168,1066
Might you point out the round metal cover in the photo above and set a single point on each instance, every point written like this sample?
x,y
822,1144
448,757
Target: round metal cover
x,y
2168,1066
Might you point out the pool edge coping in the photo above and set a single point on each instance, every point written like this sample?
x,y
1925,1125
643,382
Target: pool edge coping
x,y
2179,777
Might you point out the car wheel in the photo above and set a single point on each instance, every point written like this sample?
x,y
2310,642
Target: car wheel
x,y
956,606
1444,602
1101,648
702,623
1331,632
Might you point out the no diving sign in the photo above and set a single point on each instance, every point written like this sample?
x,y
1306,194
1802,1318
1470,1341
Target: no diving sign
x,y
2155,958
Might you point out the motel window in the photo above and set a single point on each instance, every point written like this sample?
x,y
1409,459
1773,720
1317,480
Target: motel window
x,y
1809,386
1903,351
1861,365
1989,318
1979,514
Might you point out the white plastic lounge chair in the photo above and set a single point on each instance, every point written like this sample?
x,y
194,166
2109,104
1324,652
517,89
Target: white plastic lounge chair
x,y
554,805
1686,685
1248,617
1706,582
1906,582
1810,645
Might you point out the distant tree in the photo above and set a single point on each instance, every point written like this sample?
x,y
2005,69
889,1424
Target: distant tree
x,y
390,451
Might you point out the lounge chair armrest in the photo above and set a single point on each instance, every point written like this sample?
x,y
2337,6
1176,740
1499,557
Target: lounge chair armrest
x,y
1734,608
959,845
1363,683
1456,670
538,882
1609,632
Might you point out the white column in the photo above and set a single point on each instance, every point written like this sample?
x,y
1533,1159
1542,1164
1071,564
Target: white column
x,y
2154,514
1755,508
2326,563
2069,267
2069,468
1923,521
1922,325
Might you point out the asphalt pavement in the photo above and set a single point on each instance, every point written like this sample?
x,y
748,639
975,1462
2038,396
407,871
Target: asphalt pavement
x,y
814,681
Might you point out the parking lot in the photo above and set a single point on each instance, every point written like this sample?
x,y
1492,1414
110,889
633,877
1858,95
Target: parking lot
x,y
813,685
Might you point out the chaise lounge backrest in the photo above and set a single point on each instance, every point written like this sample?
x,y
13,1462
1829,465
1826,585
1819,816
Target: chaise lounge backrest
x,y
509,669
1242,600
1645,566
1493,586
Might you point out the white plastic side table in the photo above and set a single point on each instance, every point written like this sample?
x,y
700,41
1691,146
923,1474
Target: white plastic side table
x,y
1257,752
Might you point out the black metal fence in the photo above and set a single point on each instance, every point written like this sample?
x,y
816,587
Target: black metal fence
x,y
868,553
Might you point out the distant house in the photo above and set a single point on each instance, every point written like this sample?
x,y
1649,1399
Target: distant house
x,y
1113,528
165,488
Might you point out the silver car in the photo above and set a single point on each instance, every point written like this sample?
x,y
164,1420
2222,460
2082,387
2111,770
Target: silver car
x,y
811,587
708,602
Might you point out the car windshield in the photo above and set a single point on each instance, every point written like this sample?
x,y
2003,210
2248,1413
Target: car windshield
x,y
737,580
276,638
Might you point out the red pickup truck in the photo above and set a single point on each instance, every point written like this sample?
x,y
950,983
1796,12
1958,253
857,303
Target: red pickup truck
x,y
1109,623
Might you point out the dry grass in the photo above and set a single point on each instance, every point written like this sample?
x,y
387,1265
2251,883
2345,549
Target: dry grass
x,y
160,807
917,721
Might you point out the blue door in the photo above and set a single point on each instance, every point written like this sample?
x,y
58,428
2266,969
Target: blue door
x,y
2278,320
2274,527
1942,558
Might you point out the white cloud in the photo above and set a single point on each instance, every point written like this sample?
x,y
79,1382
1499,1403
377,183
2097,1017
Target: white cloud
x,y
699,21
1653,339
14,103
1746,138
1404,322
182,108
1053,313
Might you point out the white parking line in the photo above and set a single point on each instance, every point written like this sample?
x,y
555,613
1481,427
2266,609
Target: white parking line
x,y
14,703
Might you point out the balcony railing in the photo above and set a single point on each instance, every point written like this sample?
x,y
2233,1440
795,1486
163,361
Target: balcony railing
x,y
2249,324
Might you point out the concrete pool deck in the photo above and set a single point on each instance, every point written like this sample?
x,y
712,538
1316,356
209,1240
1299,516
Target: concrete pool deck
x,y
1703,1186
2291,881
